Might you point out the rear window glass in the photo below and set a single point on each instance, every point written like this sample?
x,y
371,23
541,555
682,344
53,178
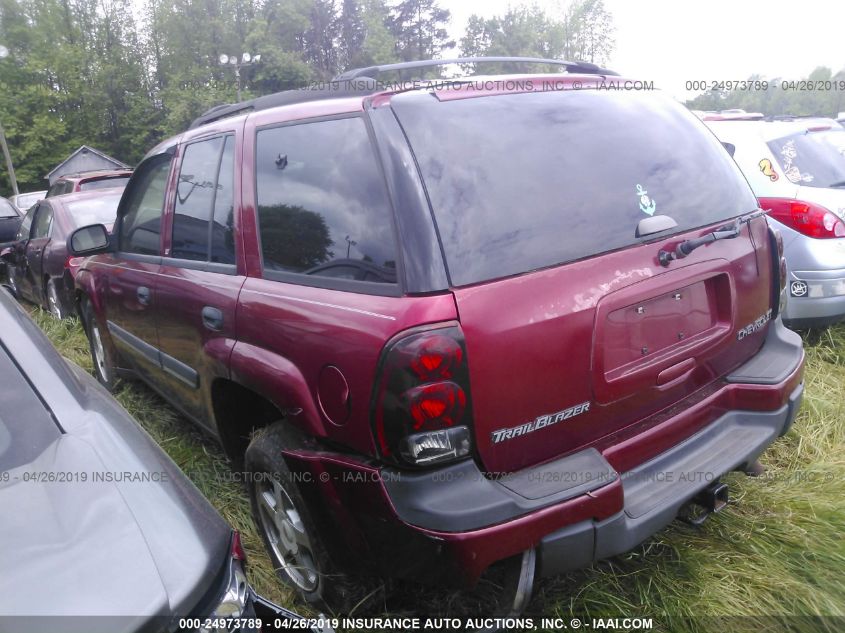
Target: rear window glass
x,y
521,182
7,210
104,183
101,210
812,159
26,200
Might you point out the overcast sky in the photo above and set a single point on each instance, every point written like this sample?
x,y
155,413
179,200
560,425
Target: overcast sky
x,y
672,42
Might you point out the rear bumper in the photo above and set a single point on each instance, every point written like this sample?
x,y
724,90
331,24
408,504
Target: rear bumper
x,y
655,491
823,301
452,523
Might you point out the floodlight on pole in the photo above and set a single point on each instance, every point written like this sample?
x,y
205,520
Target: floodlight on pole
x,y
245,59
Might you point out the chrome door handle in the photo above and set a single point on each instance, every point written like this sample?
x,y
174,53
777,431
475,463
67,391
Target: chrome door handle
x,y
212,318
143,294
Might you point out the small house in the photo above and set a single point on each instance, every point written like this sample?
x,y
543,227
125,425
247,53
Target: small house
x,y
84,159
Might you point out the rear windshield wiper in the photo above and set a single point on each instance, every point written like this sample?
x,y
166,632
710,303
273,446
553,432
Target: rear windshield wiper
x,y
726,232
836,185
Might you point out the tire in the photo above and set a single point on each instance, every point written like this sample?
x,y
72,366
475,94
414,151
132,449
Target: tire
x,y
288,530
54,300
101,354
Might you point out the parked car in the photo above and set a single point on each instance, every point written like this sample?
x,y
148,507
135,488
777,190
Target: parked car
x,y
581,336
735,114
39,268
796,168
99,521
10,221
89,181
24,201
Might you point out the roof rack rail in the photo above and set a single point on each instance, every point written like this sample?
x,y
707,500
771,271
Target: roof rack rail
x,y
329,90
362,82
373,72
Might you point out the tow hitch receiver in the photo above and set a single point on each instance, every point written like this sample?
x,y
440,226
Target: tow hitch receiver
x,y
712,499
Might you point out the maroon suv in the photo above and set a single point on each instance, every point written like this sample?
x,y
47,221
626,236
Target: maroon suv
x,y
89,181
452,324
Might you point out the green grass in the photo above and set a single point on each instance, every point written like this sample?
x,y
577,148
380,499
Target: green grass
x,y
779,548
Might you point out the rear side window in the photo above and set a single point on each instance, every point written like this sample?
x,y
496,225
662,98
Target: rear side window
x,y
140,227
812,159
323,209
525,181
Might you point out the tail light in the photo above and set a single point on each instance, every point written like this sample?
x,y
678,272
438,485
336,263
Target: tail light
x,y
422,411
72,265
809,219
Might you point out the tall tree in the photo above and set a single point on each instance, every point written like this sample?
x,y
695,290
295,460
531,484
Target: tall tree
x,y
589,30
419,28
321,37
584,31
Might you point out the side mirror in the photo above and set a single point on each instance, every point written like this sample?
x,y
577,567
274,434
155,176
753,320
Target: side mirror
x,y
88,240
7,254
730,147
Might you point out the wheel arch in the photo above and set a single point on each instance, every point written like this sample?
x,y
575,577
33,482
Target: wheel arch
x,y
238,413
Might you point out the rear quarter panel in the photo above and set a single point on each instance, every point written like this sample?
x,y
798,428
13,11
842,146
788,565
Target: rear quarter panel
x,y
287,334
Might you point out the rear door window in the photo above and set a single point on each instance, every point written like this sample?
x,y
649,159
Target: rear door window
x,y
322,200
525,181
812,159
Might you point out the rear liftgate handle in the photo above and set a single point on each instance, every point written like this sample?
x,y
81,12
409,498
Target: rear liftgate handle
x,y
212,318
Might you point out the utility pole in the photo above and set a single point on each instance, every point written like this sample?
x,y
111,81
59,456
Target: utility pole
x,y
4,52
8,157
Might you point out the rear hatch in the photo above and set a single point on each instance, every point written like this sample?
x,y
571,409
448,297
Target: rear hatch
x,y
574,331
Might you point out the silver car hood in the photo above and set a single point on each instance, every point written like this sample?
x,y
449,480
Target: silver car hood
x,y
135,539
73,548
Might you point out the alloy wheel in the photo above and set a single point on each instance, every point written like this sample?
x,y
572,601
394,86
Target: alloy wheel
x,y
99,353
285,531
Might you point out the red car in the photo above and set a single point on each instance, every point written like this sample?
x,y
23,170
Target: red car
x,y
38,266
445,325
89,181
